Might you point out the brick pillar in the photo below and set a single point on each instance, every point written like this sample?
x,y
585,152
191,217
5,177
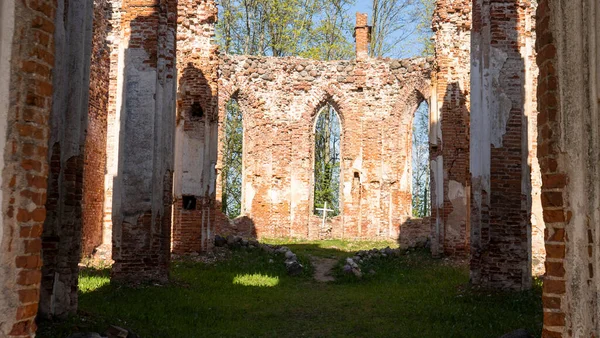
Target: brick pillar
x,y
449,129
362,36
500,165
568,92
196,142
62,235
142,196
26,62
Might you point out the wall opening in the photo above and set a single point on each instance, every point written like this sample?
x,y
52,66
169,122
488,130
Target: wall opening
x,y
232,160
421,197
327,162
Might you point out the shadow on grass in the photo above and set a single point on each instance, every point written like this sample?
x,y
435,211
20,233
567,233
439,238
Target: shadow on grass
x,y
412,295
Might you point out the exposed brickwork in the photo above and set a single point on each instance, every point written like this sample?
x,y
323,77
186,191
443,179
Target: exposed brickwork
x,y
25,164
568,156
449,123
95,143
501,179
141,196
197,64
415,232
63,226
280,98
362,36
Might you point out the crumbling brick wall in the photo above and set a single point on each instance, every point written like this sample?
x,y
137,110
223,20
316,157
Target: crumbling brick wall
x,y
145,115
451,124
501,108
27,56
94,162
197,64
279,99
567,48
449,128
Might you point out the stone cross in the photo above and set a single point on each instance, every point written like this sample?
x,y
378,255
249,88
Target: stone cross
x,y
324,210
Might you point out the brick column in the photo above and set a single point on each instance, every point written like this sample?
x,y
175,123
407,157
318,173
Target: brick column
x,y
26,61
568,92
362,36
500,165
62,235
196,141
142,193
449,129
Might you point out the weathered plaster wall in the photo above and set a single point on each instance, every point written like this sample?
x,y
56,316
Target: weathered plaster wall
x,y
449,128
196,136
28,75
568,100
500,158
142,187
279,99
62,233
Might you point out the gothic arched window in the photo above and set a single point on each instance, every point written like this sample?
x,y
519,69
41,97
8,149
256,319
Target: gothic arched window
x,y
327,162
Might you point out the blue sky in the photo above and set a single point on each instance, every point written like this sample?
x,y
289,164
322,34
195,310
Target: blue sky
x,y
412,48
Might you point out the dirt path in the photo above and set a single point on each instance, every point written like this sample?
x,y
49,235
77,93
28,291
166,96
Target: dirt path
x,y
323,268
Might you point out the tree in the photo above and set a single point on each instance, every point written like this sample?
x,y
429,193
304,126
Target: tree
x,y
231,200
393,22
330,38
327,161
319,29
420,162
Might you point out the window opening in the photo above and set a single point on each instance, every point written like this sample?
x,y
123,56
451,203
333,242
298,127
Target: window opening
x,y
327,163
232,160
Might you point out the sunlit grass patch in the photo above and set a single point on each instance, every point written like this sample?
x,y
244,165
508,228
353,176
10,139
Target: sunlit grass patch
x,y
256,279
91,279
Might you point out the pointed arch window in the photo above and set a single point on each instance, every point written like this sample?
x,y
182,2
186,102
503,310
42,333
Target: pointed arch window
x,y
327,162
231,201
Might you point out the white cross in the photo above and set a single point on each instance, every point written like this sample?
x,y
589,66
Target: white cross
x,y
324,210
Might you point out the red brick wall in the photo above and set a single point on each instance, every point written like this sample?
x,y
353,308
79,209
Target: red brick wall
x,y
554,180
501,181
197,64
25,165
449,136
141,211
279,99
95,143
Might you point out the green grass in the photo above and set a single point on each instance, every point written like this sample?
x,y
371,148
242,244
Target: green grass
x,y
410,296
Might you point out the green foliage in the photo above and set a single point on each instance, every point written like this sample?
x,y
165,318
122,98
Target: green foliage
x,y
425,15
410,296
231,201
327,161
421,193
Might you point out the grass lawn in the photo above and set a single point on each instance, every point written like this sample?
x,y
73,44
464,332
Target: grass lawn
x,y
246,296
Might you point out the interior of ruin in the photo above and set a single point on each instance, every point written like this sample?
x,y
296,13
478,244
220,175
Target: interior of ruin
x,y
112,119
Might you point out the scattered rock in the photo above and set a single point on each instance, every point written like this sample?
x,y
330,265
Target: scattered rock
x,y
116,332
290,255
220,241
293,267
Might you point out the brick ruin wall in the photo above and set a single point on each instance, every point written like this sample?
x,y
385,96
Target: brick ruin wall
x,y
568,92
24,132
279,99
94,161
196,137
375,99
451,138
449,125
144,112
505,198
